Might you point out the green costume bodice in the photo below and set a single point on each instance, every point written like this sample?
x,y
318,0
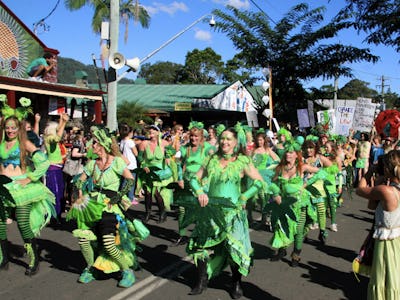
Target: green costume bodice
x,y
153,159
290,186
53,151
11,156
226,181
194,160
280,152
109,178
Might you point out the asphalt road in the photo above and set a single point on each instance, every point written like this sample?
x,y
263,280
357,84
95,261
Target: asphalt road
x,y
167,273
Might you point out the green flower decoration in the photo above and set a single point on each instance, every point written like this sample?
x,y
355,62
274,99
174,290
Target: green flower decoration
x,y
3,98
25,102
291,145
220,129
195,124
104,138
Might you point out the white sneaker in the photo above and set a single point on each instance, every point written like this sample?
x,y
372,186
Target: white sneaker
x,y
314,226
36,78
334,227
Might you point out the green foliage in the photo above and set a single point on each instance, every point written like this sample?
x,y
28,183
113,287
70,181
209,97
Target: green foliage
x,y
297,48
66,68
202,67
161,72
128,11
379,19
131,113
356,88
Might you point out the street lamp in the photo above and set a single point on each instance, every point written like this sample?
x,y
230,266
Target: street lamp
x,y
134,63
141,61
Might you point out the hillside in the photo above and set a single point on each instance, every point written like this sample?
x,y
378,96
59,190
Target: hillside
x,y
68,66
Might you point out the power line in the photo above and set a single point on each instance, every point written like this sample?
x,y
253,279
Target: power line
x,y
260,9
41,22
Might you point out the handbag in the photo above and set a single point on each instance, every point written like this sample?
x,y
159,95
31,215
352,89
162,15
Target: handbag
x,y
362,264
72,167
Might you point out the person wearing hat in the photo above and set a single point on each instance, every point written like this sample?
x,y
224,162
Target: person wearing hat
x,y
106,237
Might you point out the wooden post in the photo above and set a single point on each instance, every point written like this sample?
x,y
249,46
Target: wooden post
x,y
97,111
11,101
271,106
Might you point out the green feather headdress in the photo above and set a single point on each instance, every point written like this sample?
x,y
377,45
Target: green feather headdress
x,y
291,145
195,124
284,132
20,112
260,130
104,138
220,129
312,137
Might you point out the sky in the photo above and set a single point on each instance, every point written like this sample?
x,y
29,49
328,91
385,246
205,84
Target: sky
x,y
70,33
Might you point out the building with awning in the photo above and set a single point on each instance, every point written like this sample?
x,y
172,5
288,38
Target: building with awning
x,y
211,103
18,47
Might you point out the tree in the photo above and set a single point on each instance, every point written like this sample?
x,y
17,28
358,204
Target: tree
x,y
128,11
131,113
294,48
324,92
356,88
379,19
202,67
161,72
231,72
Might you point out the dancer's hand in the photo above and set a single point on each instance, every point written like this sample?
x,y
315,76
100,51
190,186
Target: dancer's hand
x,y
203,200
278,199
23,182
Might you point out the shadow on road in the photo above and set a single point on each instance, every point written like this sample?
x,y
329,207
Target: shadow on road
x,y
334,279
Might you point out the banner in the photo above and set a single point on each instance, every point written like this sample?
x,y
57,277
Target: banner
x,y
344,117
324,116
364,115
302,117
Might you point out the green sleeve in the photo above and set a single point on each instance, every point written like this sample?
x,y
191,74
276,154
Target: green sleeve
x,y
40,163
252,191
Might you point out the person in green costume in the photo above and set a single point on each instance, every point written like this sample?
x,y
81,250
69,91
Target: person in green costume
x,y
53,134
107,238
22,192
194,155
155,173
221,233
265,160
313,158
333,190
283,135
293,209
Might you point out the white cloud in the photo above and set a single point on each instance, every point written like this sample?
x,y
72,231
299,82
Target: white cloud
x,y
202,35
239,4
170,9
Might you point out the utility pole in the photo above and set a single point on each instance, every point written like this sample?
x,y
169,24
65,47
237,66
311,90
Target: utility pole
x,y
112,84
335,91
271,106
382,86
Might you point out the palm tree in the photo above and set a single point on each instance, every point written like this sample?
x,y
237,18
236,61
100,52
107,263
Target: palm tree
x,y
131,112
129,10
